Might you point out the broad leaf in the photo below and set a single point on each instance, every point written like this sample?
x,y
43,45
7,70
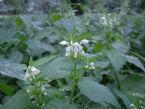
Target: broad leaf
x,y
124,97
133,83
19,101
43,60
58,68
116,59
11,69
97,92
135,61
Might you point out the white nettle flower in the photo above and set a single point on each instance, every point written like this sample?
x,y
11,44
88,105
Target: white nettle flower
x,y
132,106
31,73
90,66
107,20
84,41
34,71
104,20
63,43
74,48
77,49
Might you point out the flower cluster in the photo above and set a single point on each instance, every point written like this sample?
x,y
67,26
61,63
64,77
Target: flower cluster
x,y
44,88
107,20
31,73
132,106
90,66
140,98
74,49
39,89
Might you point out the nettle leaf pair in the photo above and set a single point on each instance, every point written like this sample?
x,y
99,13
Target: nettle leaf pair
x,y
118,59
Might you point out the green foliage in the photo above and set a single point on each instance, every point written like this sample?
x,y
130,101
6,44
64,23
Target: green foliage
x,y
7,89
96,92
63,61
18,101
116,58
58,68
12,69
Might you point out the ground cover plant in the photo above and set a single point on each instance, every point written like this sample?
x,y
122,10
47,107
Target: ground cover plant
x,y
63,60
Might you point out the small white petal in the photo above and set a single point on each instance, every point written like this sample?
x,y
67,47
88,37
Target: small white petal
x,y
76,54
28,91
86,66
93,67
63,43
27,75
92,64
68,51
84,41
103,18
45,93
67,54
33,69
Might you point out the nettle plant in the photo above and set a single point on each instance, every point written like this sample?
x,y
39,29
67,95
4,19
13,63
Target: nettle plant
x,y
95,70
75,81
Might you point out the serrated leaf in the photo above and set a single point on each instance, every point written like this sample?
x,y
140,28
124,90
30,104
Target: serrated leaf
x,y
58,68
43,60
117,59
97,92
18,101
15,70
135,61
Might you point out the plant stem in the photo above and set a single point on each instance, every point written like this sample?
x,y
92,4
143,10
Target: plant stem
x,y
76,96
117,80
74,84
73,91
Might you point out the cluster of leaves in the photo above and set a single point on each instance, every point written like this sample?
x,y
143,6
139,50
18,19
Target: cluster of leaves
x,y
119,69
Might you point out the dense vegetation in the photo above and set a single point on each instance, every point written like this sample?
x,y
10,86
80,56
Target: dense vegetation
x,y
89,55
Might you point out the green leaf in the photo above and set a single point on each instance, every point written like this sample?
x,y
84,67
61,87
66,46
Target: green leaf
x,y
138,55
118,37
97,92
26,20
55,17
98,47
133,83
59,104
30,61
43,60
116,59
102,64
19,101
124,97
15,70
135,61
7,89
19,22
58,68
